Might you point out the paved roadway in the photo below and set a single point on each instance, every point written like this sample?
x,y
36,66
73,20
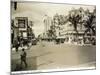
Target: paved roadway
x,y
50,56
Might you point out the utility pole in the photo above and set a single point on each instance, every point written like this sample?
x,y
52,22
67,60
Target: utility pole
x,y
15,5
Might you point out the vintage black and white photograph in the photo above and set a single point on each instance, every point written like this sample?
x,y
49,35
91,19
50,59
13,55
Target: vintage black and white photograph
x,y
52,36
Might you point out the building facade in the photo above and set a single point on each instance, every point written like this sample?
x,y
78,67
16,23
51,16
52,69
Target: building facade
x,y
21,30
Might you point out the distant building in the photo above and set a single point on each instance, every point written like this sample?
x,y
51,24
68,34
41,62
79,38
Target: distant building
x,y
47,23
68,33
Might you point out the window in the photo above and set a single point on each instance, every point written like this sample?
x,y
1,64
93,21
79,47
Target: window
x,y
21,23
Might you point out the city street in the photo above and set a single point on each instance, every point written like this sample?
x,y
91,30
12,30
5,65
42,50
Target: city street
x,y
47,55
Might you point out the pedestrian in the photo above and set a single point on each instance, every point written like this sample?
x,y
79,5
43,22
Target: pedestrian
x,y
17,46
23,57
21,43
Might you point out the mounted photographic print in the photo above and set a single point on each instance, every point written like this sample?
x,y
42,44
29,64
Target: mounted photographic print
x,y
48,37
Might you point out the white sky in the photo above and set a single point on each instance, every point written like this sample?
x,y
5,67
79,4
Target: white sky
x,y
36,12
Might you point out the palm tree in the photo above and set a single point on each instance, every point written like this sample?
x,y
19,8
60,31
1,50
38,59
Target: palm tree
x,y
74,18
90,23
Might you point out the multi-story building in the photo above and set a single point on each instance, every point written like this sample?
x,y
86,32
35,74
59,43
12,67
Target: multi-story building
x,y
67,31
47,24
22,30
21,26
